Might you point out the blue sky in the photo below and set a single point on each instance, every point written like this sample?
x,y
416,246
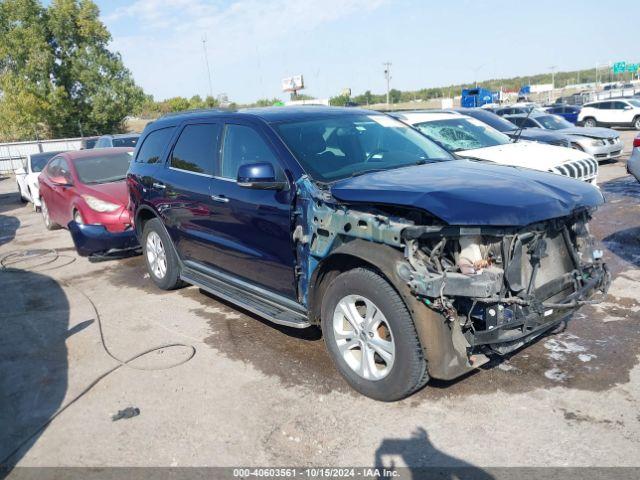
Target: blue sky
x,y
253,44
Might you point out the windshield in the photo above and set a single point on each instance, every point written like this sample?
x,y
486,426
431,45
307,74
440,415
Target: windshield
x,y
39,161
103,169
635,103
553,122
125,141
338,147
457,134
493,120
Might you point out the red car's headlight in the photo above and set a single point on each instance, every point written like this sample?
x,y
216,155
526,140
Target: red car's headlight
x,y
100,205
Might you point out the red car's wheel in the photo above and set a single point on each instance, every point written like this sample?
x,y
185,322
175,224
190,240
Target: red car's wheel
x,y
45,216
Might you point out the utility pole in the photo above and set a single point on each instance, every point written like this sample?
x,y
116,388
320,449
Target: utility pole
x,y
553,81
387,76
206,61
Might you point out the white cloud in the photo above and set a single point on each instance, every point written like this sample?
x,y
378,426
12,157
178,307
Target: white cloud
x,y
171,31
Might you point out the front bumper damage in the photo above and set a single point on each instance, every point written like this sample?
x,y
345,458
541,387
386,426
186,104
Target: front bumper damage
x,y
97,243
524,282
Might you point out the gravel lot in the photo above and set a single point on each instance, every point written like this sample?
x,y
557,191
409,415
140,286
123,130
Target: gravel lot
x,y
257,394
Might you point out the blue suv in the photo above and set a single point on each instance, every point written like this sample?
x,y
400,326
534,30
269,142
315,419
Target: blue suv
x,y
415,264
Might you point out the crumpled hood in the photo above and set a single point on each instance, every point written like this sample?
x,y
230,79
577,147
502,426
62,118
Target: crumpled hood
x,y
463,192
540,134
538,156
595,132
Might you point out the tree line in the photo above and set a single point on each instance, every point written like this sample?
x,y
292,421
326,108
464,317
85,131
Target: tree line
x,y
59,79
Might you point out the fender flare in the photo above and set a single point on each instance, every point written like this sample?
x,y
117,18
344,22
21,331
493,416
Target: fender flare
x,y
434,331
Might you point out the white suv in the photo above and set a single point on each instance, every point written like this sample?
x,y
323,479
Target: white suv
x,y
618,112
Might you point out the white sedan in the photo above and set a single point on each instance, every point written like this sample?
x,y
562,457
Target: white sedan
x,y
27,177
473,139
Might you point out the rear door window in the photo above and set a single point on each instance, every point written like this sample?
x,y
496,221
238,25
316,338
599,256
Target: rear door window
x,y
153,146
196,148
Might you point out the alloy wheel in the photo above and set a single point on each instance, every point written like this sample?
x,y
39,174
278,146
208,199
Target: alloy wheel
x,y
156,255
363,337
45,213
77,218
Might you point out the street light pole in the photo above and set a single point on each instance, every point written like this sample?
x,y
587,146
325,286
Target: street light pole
x,y
387,76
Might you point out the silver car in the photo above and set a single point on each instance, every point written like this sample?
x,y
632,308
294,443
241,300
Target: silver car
x,y
600,143
633,165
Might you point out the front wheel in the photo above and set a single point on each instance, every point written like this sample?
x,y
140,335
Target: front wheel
x,y
590,122
160,257
636,123
370,336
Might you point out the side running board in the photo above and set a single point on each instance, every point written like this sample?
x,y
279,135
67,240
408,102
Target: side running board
x,y
268,309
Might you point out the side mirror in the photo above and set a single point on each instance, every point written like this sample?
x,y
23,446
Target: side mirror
x,y
628,107
21,171
62,181
260,176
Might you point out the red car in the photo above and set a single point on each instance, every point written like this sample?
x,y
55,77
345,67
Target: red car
x,y
86,192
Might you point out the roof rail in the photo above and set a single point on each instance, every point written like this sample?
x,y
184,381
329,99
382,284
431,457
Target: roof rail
x,y
195,111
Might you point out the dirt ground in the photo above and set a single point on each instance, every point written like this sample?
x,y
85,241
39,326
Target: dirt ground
x,y
255,394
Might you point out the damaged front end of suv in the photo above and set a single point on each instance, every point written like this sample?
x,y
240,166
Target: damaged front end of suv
x,y
501,287
475,284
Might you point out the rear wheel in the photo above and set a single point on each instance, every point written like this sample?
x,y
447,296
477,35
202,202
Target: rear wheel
x,y
161,259
48,223
590,122
370,336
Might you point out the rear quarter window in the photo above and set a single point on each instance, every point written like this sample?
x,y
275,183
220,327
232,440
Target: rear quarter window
x,y
154,145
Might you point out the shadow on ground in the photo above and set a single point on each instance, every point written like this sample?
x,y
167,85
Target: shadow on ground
x,y
8,227
423,460
33,358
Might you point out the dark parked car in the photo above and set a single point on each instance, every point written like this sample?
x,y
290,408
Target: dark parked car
x,y
600,143
414,264
88,142
120,140
568,112
512,130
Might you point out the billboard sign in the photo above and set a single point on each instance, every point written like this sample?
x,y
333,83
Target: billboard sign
x,y
292,84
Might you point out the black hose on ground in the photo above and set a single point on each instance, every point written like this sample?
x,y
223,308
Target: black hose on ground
x,y
44,258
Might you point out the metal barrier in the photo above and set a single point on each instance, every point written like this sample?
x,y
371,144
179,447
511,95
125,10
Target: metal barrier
x,y
13,155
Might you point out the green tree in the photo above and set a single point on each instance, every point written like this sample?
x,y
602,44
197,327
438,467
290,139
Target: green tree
x,y
339,101
57,75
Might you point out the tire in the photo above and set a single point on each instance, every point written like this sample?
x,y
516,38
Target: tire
x,y
48,223
77,217
636,123
160,257
589,122
392,332
22,199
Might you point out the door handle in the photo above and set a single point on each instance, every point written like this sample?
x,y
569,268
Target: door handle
x,y
219,198
161,186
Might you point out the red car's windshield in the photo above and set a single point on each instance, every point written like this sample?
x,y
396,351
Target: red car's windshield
x,y
103,169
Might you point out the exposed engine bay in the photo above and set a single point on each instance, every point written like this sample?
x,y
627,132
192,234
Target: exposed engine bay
x,y
502,286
